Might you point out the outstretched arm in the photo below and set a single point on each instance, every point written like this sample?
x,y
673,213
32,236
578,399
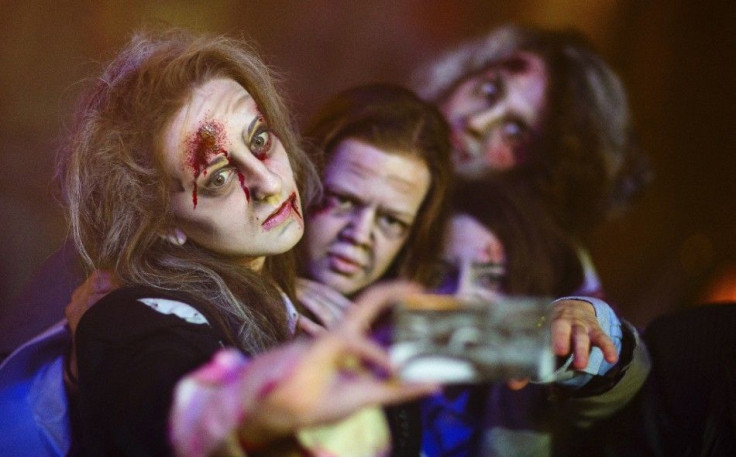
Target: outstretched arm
x,y
303,384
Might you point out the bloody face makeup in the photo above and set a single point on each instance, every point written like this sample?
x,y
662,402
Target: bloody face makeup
x,y
496,114
236,193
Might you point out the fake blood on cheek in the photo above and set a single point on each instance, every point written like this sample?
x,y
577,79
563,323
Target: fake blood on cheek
x,y
209,141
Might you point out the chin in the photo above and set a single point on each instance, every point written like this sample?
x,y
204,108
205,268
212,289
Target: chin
x,y
345,286
287,240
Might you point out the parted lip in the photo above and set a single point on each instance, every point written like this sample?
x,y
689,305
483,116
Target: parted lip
x,y
462,147
281,213
346,257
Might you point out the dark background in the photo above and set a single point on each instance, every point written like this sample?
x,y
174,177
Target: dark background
x,y
677,60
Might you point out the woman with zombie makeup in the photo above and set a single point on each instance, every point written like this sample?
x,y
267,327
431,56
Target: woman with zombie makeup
x,y
499,244
526,253
183,178
544,101
544,108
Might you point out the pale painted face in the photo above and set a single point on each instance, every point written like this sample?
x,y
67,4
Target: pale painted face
x,y
495,114
233,188
474,260
371,201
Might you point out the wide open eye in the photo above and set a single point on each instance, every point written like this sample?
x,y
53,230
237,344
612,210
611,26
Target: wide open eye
x,y
219,179
260,143
514,130
490,89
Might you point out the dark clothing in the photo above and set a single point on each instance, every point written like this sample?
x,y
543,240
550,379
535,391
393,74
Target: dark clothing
x,y
694,356
130,357
41,302
688,405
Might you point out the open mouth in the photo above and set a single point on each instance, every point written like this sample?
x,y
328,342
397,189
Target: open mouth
x,y
282,213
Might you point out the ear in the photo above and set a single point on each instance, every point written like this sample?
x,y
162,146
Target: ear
x,y
175,236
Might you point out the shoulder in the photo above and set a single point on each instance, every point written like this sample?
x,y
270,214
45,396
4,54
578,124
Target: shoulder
x,y
135,313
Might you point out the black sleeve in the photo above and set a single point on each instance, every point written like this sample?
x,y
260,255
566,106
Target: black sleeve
x,y
130,358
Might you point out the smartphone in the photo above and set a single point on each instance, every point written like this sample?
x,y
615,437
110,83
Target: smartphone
x,y
442,338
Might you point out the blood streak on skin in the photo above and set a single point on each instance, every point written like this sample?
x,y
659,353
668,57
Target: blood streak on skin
x,y
241,178
209,141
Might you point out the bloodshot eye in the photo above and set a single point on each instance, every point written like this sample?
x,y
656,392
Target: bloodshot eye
x,y
261,141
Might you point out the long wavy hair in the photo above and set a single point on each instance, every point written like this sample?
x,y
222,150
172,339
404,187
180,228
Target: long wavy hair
x,y
586,162
116,190
394,119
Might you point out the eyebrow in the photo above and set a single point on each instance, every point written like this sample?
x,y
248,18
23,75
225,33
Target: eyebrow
x,y
217,159
383,209
253,123
489,265
409,215
241,100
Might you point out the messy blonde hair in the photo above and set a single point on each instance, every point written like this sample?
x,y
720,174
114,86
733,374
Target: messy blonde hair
x,y
116,191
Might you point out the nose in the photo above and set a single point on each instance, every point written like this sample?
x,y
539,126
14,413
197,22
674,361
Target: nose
x,y
464,285
480,122
359,228
262,182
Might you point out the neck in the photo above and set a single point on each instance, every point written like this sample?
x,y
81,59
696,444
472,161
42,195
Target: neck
x,y
254,263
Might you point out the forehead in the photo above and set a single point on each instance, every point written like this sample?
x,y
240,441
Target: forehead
x,y
355,161
359,167
216,98
522,66
468,238
219,99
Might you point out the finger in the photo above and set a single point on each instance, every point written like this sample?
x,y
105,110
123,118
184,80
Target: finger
x,y
373,301
317,308
336,301
102,281
326,303
369,352
332,296
581,345
309,327
600,339
361,391
517,383
393,391
561,333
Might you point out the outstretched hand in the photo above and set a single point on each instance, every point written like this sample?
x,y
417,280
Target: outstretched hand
x,y
575,330
325,303
301,384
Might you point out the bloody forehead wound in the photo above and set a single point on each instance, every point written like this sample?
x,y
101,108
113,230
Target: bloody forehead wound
x,y
201,147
